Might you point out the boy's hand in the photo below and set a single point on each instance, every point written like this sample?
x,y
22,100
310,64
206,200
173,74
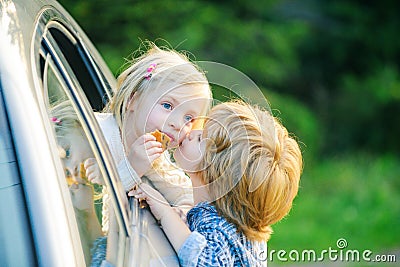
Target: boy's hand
x,y
143,152
157,203
175,229
93,173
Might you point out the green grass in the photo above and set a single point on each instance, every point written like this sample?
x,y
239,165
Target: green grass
x,y
356,197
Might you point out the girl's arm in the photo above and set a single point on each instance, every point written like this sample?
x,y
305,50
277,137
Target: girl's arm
x,y
88,225
173,226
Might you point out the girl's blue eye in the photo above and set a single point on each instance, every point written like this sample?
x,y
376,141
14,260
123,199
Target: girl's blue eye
x,y
68,153
167,106
188,118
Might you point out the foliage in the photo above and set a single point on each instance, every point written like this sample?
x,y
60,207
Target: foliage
x,y
353,197
340,58
331,69
300,122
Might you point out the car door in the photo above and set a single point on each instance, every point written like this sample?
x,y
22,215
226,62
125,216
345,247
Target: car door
x,y
47,60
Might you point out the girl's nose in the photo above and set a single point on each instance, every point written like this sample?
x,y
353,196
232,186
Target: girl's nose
x,y
177,123
173,122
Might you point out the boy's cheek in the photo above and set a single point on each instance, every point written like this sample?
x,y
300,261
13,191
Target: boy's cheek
x,y
181,136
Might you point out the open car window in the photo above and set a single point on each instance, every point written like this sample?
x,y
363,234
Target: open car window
x,y
99,210
72,87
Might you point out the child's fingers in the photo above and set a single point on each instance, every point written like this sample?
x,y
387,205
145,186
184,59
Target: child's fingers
x,y
145,138
91,172
151,144
137,193
149,137
97,180
91,177
94,178
89,162
144,142
154,150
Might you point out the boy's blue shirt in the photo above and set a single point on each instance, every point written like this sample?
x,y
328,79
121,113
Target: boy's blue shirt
x,y
216,242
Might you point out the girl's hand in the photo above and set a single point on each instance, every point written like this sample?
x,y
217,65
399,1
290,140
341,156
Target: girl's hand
x,y
157,203
143,152
93,173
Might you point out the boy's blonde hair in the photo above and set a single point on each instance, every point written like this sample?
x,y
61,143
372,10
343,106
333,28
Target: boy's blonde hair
x,y
171,67
251,166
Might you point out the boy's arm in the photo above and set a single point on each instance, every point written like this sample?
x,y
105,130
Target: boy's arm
x,y
175,229
173,226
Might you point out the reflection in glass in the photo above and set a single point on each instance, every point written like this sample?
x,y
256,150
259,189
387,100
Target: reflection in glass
x,y
74,150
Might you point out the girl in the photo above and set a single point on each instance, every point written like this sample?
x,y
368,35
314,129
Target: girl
x,y
245,171
161,90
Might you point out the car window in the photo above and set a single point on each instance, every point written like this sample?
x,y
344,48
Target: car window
x,y
72,86
100,208
87,73
75,147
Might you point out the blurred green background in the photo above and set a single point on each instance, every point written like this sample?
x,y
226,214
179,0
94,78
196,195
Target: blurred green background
x,y
330,70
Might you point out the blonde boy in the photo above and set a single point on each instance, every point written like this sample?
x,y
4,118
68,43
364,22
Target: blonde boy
x,y
245,170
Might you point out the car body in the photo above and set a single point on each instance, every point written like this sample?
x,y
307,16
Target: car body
x,y
45,57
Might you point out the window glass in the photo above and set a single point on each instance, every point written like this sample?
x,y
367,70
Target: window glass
x,y
92,206
81,64
72,83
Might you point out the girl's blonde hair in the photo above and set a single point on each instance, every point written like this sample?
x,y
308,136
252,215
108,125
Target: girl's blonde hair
x,y
251,166
171,66
64,118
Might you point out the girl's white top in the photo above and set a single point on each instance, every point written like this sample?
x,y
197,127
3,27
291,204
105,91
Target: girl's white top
x,y
170,181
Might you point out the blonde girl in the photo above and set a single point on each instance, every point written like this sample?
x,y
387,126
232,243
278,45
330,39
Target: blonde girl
x,y
160,90
245,170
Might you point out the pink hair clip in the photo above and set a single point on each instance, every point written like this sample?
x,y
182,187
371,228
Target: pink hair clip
x,y
150,69
56,121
